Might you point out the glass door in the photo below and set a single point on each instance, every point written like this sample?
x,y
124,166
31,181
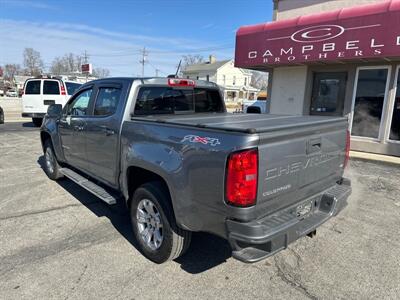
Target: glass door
x,y
328,93
394,134
369,102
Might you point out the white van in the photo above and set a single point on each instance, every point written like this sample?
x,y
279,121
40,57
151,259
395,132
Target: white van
x,y
39,93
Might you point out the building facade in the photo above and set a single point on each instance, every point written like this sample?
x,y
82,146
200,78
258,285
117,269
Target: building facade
x,y
234,82
341,60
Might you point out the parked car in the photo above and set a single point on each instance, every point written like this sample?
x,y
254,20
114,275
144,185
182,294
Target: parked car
x,y
1,116
11,93
169,150
1,93
40,92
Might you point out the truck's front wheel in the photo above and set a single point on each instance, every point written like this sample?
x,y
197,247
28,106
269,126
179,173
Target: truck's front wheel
x,y
154,226
51,166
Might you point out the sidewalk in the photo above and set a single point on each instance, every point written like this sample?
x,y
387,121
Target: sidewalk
x,y
375,157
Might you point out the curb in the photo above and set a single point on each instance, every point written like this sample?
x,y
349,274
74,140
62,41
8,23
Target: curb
x,y
364,156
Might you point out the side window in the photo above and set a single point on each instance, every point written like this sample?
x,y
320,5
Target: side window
x,y
79,106
107,101
51,87
32,87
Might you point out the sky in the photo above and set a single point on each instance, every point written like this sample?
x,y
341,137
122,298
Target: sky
x,y
113,32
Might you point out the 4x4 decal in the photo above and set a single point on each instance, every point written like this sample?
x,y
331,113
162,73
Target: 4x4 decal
x,y
202,140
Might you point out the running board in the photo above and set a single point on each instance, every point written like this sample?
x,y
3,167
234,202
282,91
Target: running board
x,y
89,186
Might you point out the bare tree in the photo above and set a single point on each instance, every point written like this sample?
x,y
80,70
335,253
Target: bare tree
x,y
33,62
10,70
259,80
101,72
191,60
67,64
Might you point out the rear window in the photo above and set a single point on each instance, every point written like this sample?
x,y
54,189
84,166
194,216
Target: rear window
x,y
72,87
51,87
166,100
32,87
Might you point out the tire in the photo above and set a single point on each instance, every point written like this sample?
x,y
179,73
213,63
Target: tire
x,y
37,121
175,241
51,166
253,110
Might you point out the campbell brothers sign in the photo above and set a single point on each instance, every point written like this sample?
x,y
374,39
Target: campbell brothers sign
x,y
356,37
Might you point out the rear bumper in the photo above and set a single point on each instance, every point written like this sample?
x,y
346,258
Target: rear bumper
x,y
261,238
33,115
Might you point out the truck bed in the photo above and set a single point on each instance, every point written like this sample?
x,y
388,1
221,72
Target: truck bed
x,y
244,123
299,156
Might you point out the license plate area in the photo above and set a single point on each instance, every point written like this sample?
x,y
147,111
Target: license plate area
x,y
49,102
305,208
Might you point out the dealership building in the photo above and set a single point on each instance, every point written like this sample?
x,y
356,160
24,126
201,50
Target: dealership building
x,y
341,60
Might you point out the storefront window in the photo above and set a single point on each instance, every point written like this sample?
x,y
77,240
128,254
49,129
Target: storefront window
x,y
395,127
368,106
328,93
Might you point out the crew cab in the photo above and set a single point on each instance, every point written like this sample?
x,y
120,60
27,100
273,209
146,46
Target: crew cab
x,y
168,149
40,92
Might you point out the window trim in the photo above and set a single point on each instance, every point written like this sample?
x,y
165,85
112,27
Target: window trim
x,y
381,127
391,108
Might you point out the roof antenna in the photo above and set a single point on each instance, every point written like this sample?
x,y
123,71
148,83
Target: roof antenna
x,y
177,70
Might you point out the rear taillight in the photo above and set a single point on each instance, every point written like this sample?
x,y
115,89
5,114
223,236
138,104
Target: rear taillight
x,y
242,178
347,153
62,90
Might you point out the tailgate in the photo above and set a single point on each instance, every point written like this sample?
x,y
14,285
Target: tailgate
x,y
299,161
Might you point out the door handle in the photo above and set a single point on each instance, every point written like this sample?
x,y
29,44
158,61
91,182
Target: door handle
x,y
107,130
314,146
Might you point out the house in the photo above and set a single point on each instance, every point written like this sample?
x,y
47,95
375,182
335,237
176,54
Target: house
x,y
234,82
19,81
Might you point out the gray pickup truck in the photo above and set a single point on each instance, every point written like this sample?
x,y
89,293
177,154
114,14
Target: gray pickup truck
x,y
168,148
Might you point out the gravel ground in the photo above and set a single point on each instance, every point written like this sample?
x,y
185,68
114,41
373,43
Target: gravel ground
x,y
57,241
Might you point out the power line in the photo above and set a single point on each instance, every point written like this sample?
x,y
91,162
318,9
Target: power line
x,y
157,69
178,51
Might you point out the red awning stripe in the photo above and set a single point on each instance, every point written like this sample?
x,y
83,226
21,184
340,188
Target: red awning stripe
x,y
349,34
340,14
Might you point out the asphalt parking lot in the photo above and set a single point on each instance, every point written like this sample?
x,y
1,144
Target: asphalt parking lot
x,y
57,241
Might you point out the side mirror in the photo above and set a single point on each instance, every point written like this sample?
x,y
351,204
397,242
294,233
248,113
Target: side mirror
x,y
54,110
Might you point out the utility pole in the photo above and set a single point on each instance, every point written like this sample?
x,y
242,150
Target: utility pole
x,y
143,60
86,58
